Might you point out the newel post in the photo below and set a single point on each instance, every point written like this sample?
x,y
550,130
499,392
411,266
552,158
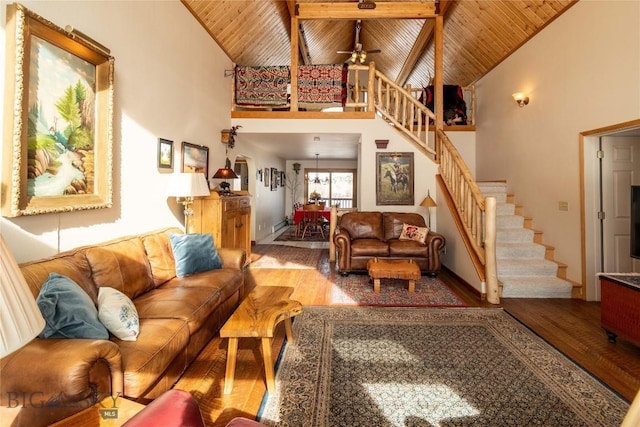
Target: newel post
x,y
490,268
333,222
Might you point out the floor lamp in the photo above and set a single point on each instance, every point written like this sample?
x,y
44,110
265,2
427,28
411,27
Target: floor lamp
x,y
20,317
184,187
428,203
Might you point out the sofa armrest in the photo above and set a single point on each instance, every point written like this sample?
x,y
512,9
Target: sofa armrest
x,y
342,240
233,258
58,372
435,242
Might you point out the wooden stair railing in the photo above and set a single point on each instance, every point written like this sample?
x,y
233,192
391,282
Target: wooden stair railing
x,y
396,105
477,214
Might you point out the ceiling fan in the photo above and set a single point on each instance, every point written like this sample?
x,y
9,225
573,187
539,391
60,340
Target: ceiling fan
x,y
358,54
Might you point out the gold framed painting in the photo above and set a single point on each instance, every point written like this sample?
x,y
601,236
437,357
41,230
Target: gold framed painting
x,y
58,127
394,179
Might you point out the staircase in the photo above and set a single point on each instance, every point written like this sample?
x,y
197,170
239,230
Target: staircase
x,y
523,267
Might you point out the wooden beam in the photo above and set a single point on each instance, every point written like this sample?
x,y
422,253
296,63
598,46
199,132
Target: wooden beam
x,y
423,39
425,36
396,10
294,63
438,58
302,40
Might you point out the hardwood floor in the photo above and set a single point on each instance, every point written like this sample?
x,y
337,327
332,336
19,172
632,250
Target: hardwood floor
x,y
572,326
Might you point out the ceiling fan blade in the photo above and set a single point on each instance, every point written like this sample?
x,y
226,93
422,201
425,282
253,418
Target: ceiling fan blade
x,y
374,51
344,51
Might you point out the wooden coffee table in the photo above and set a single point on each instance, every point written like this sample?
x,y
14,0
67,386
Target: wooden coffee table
x,y
257,316
393,269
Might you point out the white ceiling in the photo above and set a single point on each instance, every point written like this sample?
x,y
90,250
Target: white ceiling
x,y
303,146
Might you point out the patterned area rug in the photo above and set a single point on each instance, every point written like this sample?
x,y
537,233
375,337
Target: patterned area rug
x,y
289,235
356,289
279,256
365,366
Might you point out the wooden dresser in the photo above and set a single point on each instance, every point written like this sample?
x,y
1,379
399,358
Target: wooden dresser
x,y
228,218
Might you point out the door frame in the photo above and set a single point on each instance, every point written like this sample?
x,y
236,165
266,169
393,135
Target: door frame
x,y
590,196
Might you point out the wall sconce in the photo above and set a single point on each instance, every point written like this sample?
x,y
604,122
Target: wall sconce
x,y
296,168
521,99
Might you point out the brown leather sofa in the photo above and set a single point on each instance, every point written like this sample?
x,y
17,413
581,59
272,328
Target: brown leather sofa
x,y
361,236
49,379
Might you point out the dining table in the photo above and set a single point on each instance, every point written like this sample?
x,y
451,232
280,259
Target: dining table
x,y
299,214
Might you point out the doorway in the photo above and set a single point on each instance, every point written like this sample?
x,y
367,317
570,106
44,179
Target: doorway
x,y
611,164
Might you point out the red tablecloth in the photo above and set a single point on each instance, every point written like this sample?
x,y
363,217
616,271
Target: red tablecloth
x,y
299,214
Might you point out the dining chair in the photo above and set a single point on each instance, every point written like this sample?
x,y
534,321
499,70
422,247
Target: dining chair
x,y
313,220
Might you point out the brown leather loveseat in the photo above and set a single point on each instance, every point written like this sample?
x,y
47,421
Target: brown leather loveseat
x,y
361,236
49,379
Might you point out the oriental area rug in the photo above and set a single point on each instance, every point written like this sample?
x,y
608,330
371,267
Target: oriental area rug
x,y
372,366
289,235
288,257
356,289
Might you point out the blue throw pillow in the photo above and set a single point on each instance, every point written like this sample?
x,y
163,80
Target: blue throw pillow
x,y
68,311
194,253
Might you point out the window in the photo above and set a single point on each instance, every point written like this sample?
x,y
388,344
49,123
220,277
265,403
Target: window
x,y
336,187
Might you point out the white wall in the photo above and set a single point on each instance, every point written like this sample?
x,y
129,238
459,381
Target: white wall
x,y
168,83
267,207
582,72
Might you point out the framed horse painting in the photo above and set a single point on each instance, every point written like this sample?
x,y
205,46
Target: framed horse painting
x,y
394,179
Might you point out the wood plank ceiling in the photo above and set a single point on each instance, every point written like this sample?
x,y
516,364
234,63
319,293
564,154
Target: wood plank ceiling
x,y
478,35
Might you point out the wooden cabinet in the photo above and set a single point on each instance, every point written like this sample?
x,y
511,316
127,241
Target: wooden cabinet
x,y
227,218
620,306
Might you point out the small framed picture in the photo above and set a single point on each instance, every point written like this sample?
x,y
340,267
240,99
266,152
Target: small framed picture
x,y
195,159
267,177
275,177
165,153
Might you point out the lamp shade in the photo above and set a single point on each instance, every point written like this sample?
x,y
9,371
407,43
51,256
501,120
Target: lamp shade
x,y
428,202
185,184
20,317
225,173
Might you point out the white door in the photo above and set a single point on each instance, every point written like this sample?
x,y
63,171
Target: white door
x,y
620,170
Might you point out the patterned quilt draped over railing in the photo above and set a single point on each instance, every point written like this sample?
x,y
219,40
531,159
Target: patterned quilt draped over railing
x,y
322,86
262,86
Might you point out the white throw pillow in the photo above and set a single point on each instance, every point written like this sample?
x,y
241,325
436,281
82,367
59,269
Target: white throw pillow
x,y
412,232
118,314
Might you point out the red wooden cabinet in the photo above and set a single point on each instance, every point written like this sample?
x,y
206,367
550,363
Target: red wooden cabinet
x,y
620,306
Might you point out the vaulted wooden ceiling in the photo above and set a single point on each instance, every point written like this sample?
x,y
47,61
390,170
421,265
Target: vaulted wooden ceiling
x,y
478,34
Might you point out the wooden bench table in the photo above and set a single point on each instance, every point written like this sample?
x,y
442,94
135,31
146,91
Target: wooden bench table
x,y
257,316
393,269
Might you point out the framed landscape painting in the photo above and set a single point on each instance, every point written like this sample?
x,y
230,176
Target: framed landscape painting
x,y
165,153
394,179
195,159
58,134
